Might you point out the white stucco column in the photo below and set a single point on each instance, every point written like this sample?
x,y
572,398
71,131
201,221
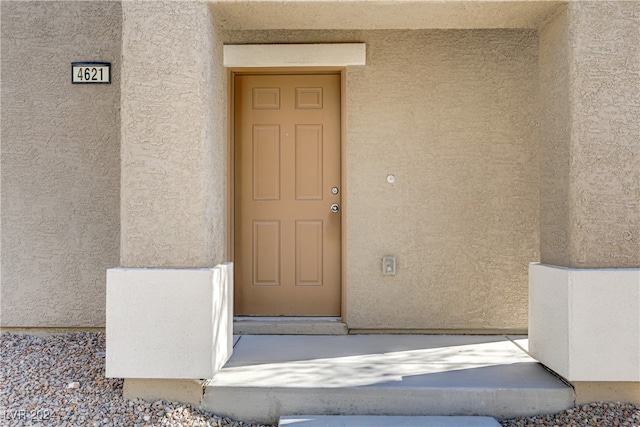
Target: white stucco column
x,y
169,306
584,298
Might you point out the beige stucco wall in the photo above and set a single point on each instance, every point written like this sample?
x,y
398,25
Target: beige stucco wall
x,y
60,163
453,114
555,130
606,134
590,144
173,136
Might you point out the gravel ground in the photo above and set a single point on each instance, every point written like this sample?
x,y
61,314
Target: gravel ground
x,y
59,381
593,414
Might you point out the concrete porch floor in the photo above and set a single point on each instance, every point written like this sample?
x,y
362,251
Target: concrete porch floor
x,y
273,375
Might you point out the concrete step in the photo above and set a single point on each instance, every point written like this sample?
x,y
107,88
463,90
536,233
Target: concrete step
x,y
289,326
384,421
399,375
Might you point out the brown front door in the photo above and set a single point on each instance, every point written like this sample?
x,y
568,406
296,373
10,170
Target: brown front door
x,y
287,169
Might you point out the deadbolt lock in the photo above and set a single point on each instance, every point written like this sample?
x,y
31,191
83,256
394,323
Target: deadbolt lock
x,y
334,190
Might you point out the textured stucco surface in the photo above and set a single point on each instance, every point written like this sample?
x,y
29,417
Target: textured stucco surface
x,y
605,163
555,134
173,136
590,135
453,115
60,163
374,14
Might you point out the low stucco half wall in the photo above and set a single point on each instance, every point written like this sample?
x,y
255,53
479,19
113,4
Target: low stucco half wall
x,y
60,169
453,115
584,323
169,323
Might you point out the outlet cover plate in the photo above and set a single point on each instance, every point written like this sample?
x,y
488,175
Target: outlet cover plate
x,y
389,265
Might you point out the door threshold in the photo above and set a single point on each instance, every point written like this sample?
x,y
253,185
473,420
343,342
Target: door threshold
x,y
286,325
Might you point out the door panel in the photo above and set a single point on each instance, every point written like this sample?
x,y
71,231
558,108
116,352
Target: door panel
x,y
266,162
287,160
308,162
266,253
309,253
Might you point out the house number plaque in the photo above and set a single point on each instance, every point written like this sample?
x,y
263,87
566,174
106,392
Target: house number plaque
x,y
90,72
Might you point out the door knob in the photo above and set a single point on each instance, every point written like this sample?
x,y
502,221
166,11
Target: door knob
x,y
335,208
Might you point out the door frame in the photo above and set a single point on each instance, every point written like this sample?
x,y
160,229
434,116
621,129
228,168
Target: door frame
x,y
231,73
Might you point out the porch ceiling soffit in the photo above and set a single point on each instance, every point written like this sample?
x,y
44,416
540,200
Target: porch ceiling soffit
x,y
380,14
